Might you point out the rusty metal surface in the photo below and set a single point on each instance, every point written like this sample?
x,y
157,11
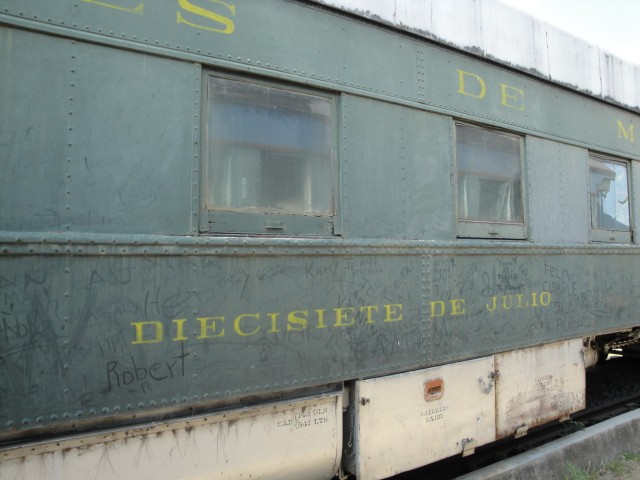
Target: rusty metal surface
x,y
537,385
408,420
293,440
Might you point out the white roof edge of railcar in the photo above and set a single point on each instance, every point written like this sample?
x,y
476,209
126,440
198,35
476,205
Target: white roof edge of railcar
x,y
496,31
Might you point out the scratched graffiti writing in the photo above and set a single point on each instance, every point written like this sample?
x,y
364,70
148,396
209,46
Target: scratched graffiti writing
x,y
79,334
67,340
505,278
127,373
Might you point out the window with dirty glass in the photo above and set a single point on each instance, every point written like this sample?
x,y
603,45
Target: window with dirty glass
x,y
609,198
269,159
489,183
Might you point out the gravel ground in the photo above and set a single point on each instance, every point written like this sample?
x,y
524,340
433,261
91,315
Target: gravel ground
x,y
617,378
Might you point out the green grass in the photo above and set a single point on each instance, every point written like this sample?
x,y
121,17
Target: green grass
x,y
616,467
576,473
631,457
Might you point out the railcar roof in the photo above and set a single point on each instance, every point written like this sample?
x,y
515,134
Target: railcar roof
x,y
493,30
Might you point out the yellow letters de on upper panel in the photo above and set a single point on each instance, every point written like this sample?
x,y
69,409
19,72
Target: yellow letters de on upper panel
x,y
472,85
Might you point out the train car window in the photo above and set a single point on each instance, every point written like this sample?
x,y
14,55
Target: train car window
x,y
269,159
609,198
489,183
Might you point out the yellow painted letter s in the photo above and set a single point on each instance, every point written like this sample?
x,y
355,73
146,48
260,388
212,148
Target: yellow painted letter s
x,y
227,23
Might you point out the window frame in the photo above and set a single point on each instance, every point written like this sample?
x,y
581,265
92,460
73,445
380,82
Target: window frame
x,y
237,222
489,229
602,235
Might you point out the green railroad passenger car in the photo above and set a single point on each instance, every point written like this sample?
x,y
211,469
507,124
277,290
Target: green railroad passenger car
x,y
300,239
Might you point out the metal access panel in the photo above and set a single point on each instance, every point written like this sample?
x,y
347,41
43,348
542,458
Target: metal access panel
x,y
408,420
537,385
288,440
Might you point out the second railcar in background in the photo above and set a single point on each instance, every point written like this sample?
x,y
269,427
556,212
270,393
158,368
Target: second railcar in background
x,y
278,239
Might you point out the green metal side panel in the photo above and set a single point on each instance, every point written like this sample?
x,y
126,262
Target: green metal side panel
x,y
136,155
468,87
300,42
557,181
85,337
635,199
394,164
32,149
273,34
97,139
484,304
